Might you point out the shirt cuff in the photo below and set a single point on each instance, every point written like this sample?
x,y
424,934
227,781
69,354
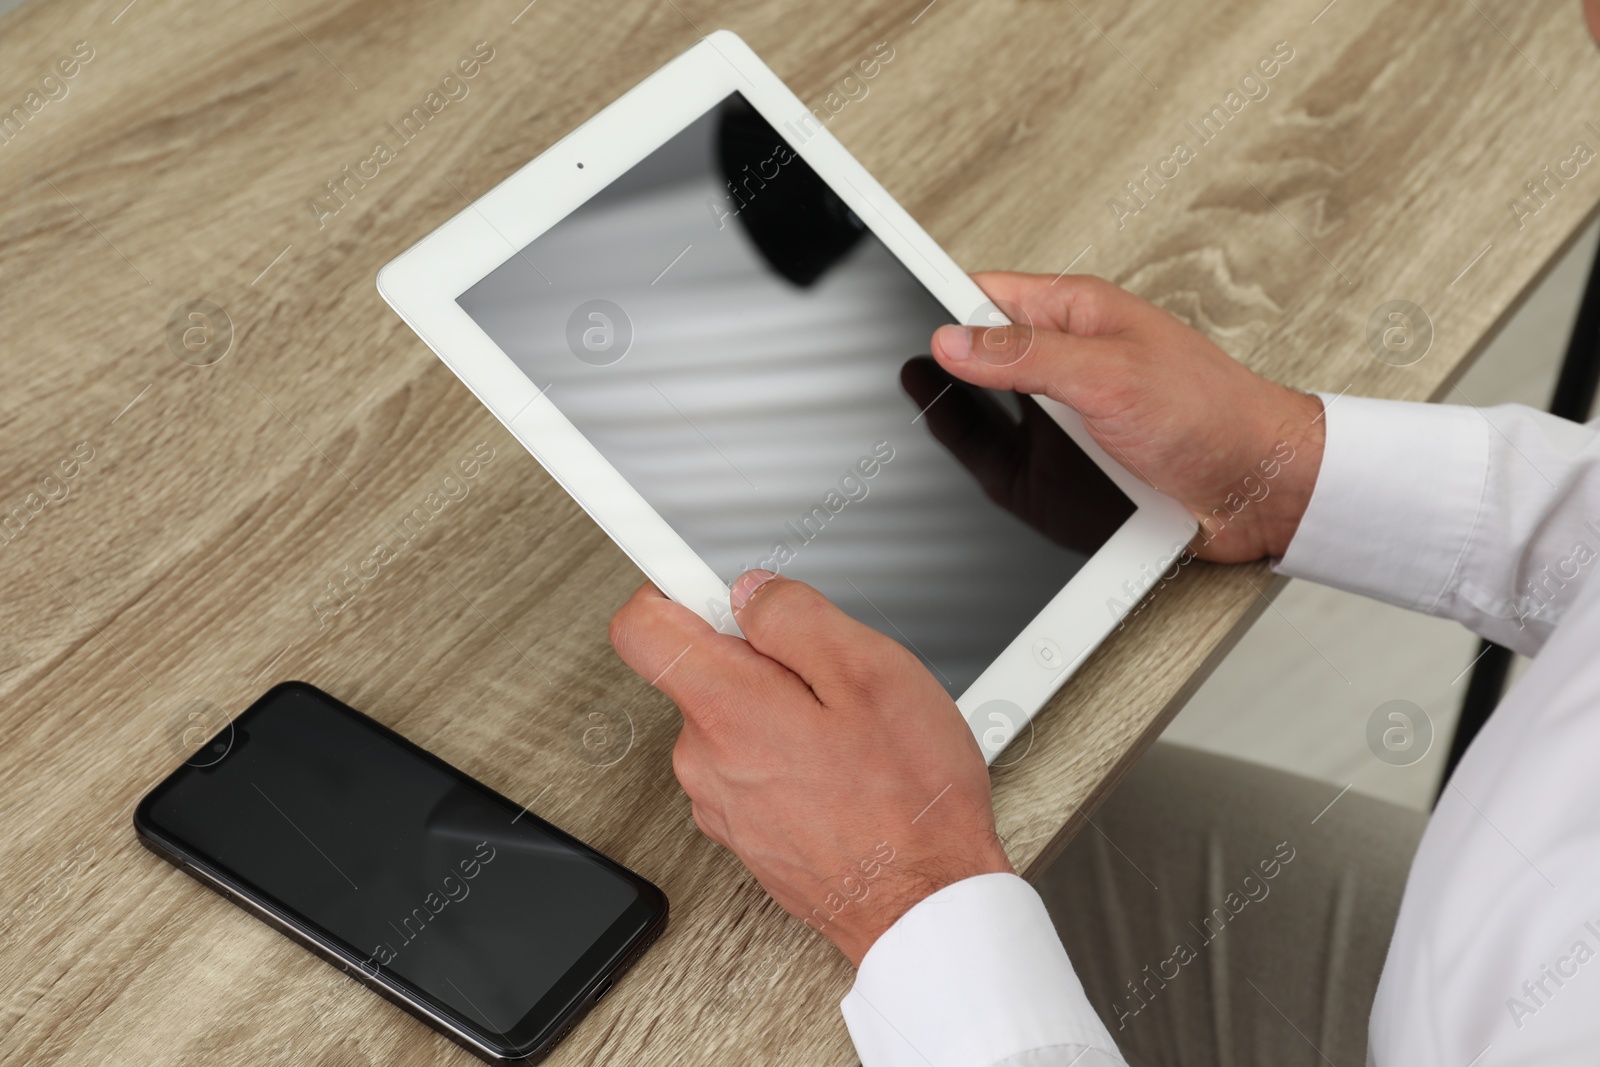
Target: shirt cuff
x,y
1396,501
973,975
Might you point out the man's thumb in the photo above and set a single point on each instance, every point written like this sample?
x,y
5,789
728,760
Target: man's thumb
x,y
1018,356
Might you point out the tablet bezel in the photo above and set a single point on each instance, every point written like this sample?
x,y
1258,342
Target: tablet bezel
x,y
422,285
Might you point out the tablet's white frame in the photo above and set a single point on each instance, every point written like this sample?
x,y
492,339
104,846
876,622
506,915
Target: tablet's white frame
x,y
422,285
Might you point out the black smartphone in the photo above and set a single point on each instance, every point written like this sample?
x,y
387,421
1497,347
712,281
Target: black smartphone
x,y
450,900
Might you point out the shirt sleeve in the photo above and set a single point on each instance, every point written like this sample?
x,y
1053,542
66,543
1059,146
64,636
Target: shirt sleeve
x,y
1489,516
974,975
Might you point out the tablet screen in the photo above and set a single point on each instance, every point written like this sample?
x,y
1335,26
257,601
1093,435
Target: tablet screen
x,y
754,361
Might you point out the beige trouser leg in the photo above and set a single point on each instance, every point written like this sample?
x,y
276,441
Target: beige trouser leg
x,y
1214,924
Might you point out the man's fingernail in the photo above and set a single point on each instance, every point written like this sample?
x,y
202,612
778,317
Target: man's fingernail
x,y
746,585
954,341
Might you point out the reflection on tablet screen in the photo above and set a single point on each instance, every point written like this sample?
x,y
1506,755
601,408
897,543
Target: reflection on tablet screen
x,y
754,361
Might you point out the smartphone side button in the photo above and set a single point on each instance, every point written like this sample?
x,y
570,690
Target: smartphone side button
x,y
201,876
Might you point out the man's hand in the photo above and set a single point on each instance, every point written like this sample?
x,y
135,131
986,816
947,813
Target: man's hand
x,y
1240,452
821,752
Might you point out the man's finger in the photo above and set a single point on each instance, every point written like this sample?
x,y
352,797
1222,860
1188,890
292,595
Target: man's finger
x,y
1079,304
709,675
792,623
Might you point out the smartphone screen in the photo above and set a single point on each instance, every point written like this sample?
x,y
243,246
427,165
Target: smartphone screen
x,y
428,880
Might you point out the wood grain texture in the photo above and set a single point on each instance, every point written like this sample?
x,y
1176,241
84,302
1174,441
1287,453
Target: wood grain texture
x,y
187,558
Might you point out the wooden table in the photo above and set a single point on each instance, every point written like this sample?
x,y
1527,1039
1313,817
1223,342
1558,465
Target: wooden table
x,y
180,568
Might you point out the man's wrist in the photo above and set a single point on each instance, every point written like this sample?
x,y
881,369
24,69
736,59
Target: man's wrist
x,y
915,883
1304,432
1279,452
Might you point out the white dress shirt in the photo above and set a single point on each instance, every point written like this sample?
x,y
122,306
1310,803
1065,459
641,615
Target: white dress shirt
x,y
1490,517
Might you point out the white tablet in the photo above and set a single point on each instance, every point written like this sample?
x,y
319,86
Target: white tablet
x,y
712,327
